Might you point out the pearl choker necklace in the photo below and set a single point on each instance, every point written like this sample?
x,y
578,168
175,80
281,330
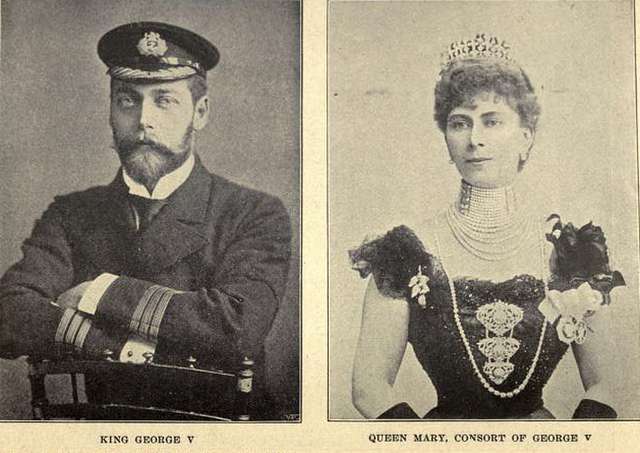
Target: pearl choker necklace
x,y
486,222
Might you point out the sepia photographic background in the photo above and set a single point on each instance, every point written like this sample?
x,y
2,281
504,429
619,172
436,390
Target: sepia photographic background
x,y
56,137
388,162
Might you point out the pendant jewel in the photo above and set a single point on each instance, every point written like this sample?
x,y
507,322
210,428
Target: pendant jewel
x,y
499,347
498,371
498,318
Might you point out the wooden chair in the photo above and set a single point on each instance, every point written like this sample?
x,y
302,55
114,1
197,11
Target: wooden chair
x,y
230,392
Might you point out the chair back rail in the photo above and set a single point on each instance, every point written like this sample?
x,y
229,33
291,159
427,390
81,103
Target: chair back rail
x,y
200,389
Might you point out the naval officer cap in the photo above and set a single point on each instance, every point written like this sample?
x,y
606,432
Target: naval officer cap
x,y
155,51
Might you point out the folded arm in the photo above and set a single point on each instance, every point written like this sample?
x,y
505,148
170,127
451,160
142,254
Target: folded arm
x,y
230,314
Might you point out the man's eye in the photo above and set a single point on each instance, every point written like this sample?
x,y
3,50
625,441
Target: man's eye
x,y
125,102
492,122
166,101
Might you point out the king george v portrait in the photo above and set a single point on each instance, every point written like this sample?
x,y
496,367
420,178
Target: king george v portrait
x,y
168,262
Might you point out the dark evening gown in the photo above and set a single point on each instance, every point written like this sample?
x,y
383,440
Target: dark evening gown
x,y
394,259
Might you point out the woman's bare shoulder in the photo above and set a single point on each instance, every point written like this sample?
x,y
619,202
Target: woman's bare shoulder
x,y
430,229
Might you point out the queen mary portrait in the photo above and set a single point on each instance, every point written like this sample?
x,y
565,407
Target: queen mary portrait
x,y
489,296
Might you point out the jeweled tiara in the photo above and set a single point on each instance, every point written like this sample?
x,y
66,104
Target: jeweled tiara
x,y
483,46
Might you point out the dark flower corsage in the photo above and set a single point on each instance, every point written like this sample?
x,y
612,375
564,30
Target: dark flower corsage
x,y
581,256
582,263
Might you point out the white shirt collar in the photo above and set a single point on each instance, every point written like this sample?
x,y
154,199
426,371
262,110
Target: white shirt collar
x,y
166,185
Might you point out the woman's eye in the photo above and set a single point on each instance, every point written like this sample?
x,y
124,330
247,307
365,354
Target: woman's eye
x,y
458,125
492,122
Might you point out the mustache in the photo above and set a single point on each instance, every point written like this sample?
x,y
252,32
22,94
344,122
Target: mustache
x,y
127,145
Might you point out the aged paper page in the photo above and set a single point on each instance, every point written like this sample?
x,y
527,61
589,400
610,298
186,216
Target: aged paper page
x,y
368,140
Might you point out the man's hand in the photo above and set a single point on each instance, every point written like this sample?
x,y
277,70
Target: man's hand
x,y
71,297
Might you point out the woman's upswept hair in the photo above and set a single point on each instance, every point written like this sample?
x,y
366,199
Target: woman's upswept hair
x,y
465,79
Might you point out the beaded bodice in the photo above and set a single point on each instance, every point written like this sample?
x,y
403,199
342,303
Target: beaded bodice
x,y
441,352
394,260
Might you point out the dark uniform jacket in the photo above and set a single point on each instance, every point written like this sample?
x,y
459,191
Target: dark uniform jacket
x,y
203,280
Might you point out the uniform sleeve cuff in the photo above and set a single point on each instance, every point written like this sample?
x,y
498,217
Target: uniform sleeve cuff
x,y
135,305
72,330
91,297
146,319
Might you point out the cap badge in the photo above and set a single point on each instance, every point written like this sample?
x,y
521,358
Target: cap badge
x,y
151,44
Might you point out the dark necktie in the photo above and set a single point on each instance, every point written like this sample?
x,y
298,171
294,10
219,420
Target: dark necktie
x,y
146,208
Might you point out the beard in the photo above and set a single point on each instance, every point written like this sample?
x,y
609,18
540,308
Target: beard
x,y
147,160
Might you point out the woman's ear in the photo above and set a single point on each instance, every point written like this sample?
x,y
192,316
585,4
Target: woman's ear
x,y
528,137
201,113
448,149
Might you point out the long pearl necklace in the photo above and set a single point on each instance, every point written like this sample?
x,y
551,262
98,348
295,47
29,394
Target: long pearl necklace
x,y
465,340
486,224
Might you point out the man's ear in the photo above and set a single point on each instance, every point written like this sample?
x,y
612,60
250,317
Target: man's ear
x,y
201,113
